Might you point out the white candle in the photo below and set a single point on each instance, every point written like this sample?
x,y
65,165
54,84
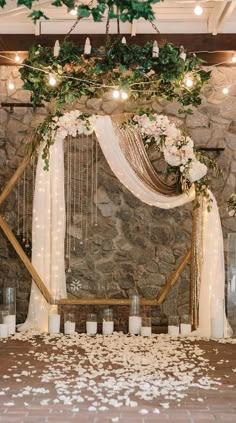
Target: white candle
x,y
54,323
173,330
185,328
56,49
3,330
87,46
217,328
134,325
107,328
69,328
155,49
10,321
91,328
146,330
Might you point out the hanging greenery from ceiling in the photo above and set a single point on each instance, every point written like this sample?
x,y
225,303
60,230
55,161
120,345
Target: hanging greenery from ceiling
x,y
125,10
126,67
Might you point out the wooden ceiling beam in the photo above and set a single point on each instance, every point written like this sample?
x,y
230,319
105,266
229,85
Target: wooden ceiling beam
x,y
222,44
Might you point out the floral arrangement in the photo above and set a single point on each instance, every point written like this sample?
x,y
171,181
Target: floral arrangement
x,y
126,67
57,127
178,151
232,205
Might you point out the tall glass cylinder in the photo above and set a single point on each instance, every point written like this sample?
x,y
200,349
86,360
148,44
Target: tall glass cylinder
x,y
9,302
134,317
107,322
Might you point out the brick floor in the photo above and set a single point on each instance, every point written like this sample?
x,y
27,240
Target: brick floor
x,y
215,405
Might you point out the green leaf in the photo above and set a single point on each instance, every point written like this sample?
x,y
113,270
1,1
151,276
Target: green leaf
x,y
57,3
83,11
2,3
27,3
36,15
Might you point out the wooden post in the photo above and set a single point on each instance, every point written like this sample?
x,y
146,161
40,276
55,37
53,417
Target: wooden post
x,y
173,278
10,185
105,301
12,239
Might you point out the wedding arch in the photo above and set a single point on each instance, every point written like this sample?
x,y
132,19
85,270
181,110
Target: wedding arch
x,y
124,150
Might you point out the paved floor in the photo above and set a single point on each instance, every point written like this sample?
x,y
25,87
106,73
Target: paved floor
x,y
29,395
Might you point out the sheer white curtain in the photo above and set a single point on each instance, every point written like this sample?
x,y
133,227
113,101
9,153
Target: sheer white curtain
x,y
48,233
213,273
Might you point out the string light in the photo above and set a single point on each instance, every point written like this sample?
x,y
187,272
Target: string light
x,y
188,81
233,60
52,80
116,94
198,8
11,85
17,58
225,90
124,95
73,12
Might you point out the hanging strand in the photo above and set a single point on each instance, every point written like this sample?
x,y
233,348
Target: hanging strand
x,y
81,189
23,209
74,191
27,211
96,182
87,188
92,182
18,207
68,210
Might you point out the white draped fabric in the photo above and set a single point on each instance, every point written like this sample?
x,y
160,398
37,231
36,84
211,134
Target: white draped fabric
x,y
49,227
48,234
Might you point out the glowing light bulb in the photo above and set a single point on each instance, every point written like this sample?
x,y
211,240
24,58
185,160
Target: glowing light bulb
x,y
116,94
225,90
11,85
73,12
17,58
52,80
233,60
198,9
189,82
124,95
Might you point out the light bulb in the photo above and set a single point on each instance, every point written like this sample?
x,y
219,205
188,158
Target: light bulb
x,y
189,82
52,80
233,60
11,85
17,58
73,12
124,95
198,9
225,90
116,94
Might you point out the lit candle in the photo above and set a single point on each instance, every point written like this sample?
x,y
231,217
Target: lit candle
x,y
146,330
185,328
87,46
91,328
10,321
134,325
173,330
53,320
3,330
69,327
107,328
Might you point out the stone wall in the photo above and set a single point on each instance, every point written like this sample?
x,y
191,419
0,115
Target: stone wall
x,y
135,247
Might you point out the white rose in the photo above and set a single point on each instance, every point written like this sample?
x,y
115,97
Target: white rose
x,y
196,171
232,213
171,158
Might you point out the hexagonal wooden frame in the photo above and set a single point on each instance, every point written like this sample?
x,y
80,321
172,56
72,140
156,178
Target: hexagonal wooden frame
x,y
39,282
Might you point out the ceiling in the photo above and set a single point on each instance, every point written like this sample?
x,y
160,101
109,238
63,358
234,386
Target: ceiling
x,y
172,17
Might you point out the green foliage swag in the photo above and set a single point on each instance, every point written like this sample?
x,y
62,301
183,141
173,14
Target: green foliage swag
x,y
125,10
123,66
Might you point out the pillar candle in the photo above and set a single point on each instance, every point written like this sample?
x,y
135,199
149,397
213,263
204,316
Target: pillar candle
x,y
3,330
69,327
91,328
185,328
134,325
146,330
54,323
173,330
10,321
107,328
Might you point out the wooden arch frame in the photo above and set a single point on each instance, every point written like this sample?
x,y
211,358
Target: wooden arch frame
x,y
40,283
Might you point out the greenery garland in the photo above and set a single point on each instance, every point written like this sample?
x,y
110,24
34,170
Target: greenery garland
x,y
125,10
128,67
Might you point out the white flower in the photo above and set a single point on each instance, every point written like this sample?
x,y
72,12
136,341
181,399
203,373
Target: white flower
x,y
232,213
196,171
